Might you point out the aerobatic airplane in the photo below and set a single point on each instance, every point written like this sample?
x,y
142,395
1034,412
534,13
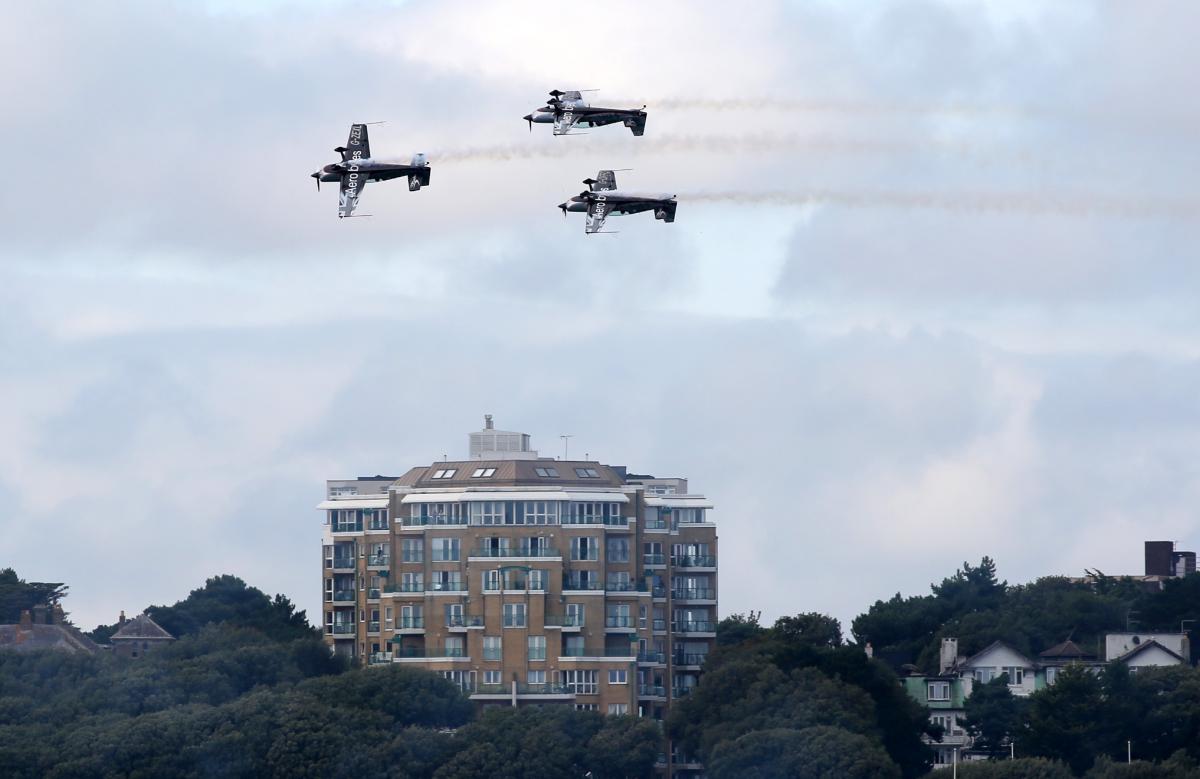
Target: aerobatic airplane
x,y
567,110
357,168
603,198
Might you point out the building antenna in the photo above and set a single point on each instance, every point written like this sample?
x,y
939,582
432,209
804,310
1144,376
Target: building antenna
x,y
566,439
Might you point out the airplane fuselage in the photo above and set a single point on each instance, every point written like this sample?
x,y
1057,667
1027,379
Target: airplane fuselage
x,y
370,169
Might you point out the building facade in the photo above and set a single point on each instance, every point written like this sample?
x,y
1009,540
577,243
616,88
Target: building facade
x,y
525,579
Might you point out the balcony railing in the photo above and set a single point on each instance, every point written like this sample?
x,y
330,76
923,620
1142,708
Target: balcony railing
x,y
412,557
577,585
406,587
694,593
609,521
427,521
563,620
377,524
619,622
694,561
694,626
658,591
343,596
464,621
523,689
373,626
373,593
430,652
659,625
656,524
654,559
599,651
343,563
690,658
410,623
540,551
619,586
659,658
347,527
378,559
651,691
342,628
379,658
681,691
454,585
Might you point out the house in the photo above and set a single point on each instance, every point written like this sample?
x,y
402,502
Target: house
x,y
42,628
1141,650
943,695
1059,656
138,637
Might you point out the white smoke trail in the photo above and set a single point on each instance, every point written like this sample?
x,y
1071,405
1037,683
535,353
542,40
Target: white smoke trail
x,y
1088,205
845,107
740,144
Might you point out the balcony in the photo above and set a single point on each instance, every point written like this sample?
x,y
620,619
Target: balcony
x,y
599,651
433,521
578,586
659,626
680,691
378,561
654,560
410,623
453,585
405,587
658,591
518,552
694,593
429,653
690,659
652,658
694,626
342,629
373,627
343,596
346,527
343,563
618,586
523,690
379,658
373,593
694,561
620,623
377,525
563,621
656,524
464,621
651,691
604,521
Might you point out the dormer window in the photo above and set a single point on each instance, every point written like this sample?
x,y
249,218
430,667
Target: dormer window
x,y
444,473
483,473
587,473
546,473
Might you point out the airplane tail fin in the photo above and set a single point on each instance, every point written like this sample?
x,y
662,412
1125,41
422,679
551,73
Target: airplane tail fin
x,y
666,212
419,178
637,124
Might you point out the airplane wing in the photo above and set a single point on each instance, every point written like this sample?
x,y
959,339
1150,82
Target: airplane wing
x,y
605,180
351,188
359,144
564,122
596,216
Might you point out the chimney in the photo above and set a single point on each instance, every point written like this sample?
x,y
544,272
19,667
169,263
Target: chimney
x,y
487,421
948,657
26,619
57,615
121,619
39,615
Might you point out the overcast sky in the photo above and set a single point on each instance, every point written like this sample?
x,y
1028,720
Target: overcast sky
x,y
932,292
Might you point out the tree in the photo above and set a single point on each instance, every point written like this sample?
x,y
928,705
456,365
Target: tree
x,y
1022,768
994,716
811,629
812,753
228,600
624,747
739,628
18,595
1066,720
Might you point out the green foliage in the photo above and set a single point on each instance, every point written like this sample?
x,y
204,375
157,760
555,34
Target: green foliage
x,y
994,716
812,629
227,600
812,753
17,595
738,628
1021,768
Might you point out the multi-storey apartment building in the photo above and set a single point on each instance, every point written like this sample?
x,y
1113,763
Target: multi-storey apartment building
x,y
525,579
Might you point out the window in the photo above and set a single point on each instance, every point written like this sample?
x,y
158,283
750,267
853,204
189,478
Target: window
x,y
446,473
412,550
1016,675
445,550
618,709
454,615
618,676
514,615
537,580
464,679
411,582
938,691
536,677
491,648
411,617
491,677
575,614
618,550
652,553
618,581
487,512
585,548
454,646
491,581
546,473
587,473
984,675
587,707
537,647
483,473
618,616
580,682
537,512
445,581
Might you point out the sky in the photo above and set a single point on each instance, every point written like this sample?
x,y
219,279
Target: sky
x,y
932,292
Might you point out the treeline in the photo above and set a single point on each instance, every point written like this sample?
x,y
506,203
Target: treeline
x,y
249,690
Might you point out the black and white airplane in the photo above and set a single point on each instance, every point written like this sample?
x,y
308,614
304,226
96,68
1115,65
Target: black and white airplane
x,y
358,167
568,110
603,198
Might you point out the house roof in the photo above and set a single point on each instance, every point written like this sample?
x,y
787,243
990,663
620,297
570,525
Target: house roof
x,y
994,645
1145,645
141,628
32,638
1067,650
509,473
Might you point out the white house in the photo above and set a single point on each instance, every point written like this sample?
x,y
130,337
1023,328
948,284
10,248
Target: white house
x,y
995,659
1147,649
